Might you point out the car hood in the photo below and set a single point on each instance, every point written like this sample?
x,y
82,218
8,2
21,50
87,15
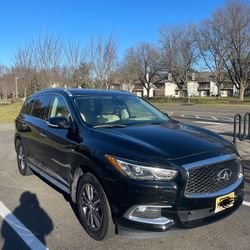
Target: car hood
x,y
170,140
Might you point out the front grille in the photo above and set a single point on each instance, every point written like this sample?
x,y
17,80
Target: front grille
x,y
205,179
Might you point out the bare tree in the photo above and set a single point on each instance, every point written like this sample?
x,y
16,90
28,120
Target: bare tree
x,y
102,56
76,64
179,53
6,83
48,57
3,70
231,25
126,74
81,75
23,68
210,52
145,60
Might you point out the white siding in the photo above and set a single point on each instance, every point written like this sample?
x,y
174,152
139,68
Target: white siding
x,y
170,89
213,89
151,92
193,88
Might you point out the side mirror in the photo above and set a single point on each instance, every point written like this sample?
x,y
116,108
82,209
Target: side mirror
x,y
58,122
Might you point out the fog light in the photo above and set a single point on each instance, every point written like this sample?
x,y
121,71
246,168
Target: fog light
x,y
147,214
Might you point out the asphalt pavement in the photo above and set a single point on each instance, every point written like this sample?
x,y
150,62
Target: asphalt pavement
x,y
217,111
50,217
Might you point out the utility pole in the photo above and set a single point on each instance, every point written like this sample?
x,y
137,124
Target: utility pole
x,y
16,87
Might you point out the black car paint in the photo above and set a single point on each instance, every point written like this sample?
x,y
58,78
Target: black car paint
x,y
61,153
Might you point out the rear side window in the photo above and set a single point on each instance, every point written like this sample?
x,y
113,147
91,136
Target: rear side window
x,y
27,106
41,107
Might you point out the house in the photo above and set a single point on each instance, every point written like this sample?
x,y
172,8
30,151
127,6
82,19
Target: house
x,y
201,84
173,90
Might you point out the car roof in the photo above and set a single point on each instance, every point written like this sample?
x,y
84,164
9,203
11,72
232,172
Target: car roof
x,y
79,91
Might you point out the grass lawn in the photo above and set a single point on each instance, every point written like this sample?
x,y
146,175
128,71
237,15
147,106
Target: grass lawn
x,y
9,112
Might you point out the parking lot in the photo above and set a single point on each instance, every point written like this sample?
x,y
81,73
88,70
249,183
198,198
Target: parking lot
x,y
48,214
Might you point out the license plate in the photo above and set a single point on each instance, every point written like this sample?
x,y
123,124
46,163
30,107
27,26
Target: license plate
x,y
224,202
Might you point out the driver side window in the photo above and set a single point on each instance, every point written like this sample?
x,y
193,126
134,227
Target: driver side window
x,y
59,108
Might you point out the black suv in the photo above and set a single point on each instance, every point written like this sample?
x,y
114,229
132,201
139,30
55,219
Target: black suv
x,y
127,166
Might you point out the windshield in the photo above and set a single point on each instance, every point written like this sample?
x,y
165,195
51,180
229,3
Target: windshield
x,y
117,110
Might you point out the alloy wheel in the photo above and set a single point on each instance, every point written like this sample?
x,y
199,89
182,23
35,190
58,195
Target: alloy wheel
x,y
91,207
21,157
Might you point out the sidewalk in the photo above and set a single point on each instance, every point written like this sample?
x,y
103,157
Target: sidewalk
x,y
226,130
7,126
244,149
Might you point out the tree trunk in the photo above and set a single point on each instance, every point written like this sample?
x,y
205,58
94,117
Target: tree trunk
x,y
188,97
218,91
241,92
148,92
25,93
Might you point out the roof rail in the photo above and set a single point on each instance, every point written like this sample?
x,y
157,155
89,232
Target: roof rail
x,y
67,91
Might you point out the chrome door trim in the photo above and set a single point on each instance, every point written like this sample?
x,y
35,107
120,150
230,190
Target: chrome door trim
x,y
50,178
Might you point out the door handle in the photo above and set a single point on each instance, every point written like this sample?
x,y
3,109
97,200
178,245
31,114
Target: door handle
x,y
43,135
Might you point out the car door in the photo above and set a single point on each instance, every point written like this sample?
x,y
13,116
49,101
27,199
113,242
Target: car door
x,y
56,145
24,127
35,122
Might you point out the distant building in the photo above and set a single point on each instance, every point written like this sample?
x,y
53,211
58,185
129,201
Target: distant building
x,y
201,84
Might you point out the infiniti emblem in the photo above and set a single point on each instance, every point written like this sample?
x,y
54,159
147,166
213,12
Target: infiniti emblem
x,y
224,174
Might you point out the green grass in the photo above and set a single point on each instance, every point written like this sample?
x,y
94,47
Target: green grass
x,y
9,112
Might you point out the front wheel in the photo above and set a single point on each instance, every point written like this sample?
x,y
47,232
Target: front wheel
x,y
93,208
22,159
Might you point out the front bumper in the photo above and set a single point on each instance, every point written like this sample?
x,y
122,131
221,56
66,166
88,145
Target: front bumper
x,y
181,212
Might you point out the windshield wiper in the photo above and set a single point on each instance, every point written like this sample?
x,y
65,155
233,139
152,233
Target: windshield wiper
x,y
145,123
110,126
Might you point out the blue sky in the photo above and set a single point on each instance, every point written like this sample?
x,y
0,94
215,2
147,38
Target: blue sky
x,y
130,21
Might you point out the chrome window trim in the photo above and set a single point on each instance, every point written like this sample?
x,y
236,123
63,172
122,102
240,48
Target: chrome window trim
x,y
53,94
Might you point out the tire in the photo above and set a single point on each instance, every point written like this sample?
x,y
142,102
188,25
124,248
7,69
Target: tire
x,y
93,208
22,159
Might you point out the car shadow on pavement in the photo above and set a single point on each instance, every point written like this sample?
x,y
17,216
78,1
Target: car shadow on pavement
x,y
33,217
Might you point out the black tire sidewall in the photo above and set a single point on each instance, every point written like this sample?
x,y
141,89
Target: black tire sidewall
x,y
23,171
101,233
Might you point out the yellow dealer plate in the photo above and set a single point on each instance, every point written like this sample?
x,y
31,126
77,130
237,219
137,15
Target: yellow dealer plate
x,y
224,202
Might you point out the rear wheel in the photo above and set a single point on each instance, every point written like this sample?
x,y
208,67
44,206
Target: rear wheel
x,y
93,208
22,159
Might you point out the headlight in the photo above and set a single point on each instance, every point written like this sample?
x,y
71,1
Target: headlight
x,y
140,172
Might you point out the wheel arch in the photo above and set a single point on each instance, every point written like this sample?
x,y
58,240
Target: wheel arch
x,y
78,173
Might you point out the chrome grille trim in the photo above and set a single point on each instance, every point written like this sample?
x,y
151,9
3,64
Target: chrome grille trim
x,y
209,161
194,170
224,191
